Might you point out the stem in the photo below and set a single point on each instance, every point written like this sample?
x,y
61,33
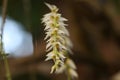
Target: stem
x,y
8,75
4,56
69,78
67,71
68,75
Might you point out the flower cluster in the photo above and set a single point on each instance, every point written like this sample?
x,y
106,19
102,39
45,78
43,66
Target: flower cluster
x,y
58,42
69,67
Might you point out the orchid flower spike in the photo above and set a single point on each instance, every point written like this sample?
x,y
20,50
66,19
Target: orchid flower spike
x,y
57,39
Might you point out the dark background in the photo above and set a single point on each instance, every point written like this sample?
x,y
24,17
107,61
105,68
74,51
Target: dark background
x,y
94,26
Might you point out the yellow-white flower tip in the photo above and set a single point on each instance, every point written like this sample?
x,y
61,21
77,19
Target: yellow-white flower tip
x,y
71,64
73,73
53,8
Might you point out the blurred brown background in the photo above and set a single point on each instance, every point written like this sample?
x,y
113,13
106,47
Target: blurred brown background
x,y
94,26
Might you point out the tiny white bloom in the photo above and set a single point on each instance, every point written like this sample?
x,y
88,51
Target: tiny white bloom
x,y
71,63
73,73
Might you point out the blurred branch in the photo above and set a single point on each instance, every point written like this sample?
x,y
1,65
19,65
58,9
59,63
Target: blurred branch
x,y
27,13
4,9
3,54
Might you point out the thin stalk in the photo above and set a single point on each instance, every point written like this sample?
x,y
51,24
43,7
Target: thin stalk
x,y
4,56
69,78
8,75
67,71
68,74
